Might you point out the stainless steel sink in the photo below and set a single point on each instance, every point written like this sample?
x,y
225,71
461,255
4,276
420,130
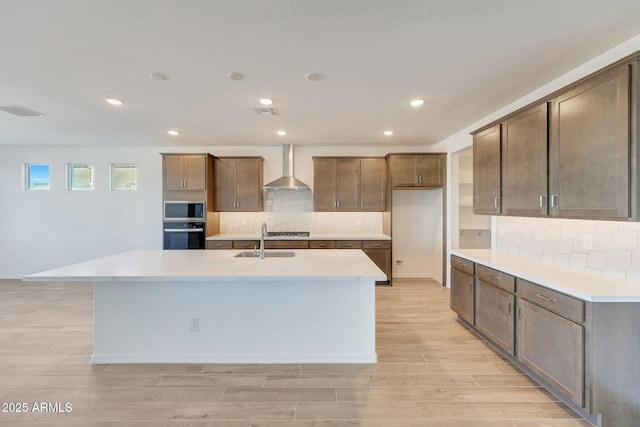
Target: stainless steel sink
x,y
256,254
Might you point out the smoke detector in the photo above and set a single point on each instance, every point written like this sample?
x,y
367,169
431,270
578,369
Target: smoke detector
x,y
265,111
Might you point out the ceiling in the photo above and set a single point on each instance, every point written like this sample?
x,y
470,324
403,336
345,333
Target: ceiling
x,y
466,58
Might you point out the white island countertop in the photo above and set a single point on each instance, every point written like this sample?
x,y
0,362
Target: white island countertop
x,y
219,265
580,284
312,236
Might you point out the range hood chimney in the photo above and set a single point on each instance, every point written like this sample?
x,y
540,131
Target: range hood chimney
x,y
287,180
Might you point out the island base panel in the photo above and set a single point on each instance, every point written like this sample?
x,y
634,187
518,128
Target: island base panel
x,y
238,322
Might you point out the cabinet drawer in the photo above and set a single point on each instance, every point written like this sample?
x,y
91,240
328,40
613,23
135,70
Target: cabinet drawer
x,y
219,244
462,264
496,278
286,244
246,244
322,244
348,244
376,244
564,305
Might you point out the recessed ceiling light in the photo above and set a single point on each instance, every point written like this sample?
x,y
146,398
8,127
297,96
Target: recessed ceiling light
x,y
416,102
312,77
114,101
282,132
388,132
173,132
235,76
266,101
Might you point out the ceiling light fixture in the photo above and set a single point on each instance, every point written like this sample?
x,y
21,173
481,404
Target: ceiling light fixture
x,y
173,132
282,132
114,101
235,76
416,102
312,77
388,132
266,101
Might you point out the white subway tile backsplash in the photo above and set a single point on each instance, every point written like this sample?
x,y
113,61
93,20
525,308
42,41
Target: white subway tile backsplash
x,y
292,210
616,245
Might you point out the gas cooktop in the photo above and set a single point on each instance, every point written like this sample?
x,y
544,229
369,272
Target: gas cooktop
x,y
288,234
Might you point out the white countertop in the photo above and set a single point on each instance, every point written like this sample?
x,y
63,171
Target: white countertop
x,y
219,265
580,284
312,236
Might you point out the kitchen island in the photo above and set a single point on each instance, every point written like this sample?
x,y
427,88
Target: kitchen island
x,y
155,306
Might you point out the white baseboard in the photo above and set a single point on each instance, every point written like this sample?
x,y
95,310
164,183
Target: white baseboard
x,y
10,276
233,358
397,275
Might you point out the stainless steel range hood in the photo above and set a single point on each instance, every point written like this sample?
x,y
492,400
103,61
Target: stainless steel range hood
x,y
287,180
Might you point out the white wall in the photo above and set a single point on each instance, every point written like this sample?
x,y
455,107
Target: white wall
x,y
40,230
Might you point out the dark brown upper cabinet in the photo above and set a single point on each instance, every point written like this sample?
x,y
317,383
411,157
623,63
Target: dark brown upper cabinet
x,y
590,146
524,163
572,154
184,171
239,184
349,184
487,197
417,171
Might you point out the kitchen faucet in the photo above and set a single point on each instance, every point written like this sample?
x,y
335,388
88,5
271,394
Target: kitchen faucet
x,y
263,232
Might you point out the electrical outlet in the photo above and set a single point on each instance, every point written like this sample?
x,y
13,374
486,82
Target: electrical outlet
x,y
194,325
587,242
399,263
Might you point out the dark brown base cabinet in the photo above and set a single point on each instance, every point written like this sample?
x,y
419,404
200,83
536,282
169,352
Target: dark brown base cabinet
x,y
586,353
462,288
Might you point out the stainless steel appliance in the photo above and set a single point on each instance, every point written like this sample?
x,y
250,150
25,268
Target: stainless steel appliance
x,y
183,235
184,211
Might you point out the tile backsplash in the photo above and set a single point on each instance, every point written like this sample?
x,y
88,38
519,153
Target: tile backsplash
x,y
615,245
292,210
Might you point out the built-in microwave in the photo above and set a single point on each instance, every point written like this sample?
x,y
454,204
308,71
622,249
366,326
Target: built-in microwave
x,y
184,211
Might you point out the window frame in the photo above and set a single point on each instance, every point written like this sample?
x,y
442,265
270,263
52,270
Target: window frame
x,y
71,167
112,176
28,175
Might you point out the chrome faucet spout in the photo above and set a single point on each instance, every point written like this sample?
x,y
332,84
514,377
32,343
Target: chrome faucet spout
x,y
263,233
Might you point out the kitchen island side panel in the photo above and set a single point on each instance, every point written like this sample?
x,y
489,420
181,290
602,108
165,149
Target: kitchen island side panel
x,y
304,321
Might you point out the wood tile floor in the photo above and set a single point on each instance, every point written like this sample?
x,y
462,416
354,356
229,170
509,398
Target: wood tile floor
x,y
432,372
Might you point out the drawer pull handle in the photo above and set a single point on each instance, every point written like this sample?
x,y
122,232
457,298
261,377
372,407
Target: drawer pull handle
x,y
376,245
496,278
546,298
348,244
509,309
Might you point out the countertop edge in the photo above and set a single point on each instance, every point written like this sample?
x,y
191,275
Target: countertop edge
x,y
609,290
311,237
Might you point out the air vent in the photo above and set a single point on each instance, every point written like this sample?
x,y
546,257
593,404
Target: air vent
x,y
17,110
265,111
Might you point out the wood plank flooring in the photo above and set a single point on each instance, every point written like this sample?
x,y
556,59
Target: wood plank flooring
x,y
432,372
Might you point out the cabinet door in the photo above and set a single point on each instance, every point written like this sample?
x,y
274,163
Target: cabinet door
x,y
486,172
225,196
403,173
552,347
524,167
347,185
195,172
494,315
173,172
589,158
249,192
429,169
324,184
462,295
382,258
372,185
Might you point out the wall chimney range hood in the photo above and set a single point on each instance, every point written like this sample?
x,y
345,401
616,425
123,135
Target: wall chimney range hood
x,y
287,180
